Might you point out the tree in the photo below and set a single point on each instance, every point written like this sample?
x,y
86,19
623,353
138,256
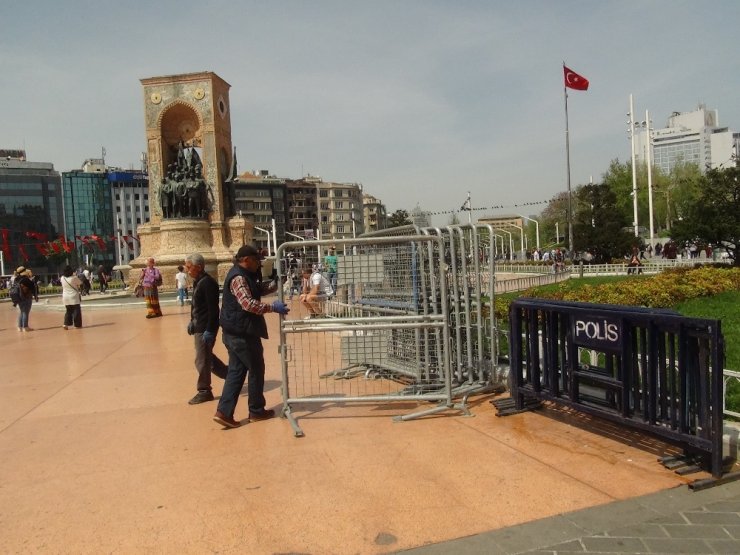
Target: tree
x,y
398,218
713,215
598,225
454,220
556,212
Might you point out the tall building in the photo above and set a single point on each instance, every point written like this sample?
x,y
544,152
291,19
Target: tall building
x,y
30,212
261,198
130,209
373,213
690,137
88,213
303,217
420,218
340,210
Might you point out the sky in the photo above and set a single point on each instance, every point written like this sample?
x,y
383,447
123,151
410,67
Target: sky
x,y
419,101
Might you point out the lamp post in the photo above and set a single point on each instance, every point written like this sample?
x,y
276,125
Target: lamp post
x,y
297,237
268,238
537,227
521,237
631,123
650,174
648,143
511,242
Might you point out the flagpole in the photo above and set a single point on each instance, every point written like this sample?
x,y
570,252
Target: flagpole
x,y
567,164
470,210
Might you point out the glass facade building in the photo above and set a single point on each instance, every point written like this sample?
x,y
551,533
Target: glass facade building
x,y
88,212
130,210
30,203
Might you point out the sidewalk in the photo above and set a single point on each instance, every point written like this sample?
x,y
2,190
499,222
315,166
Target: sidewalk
x,y
100,452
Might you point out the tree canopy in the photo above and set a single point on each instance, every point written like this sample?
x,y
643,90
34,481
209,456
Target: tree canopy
x,y
598,224
398,218
711,214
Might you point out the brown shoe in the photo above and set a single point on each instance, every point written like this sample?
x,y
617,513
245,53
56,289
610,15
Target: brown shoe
x,y
262,415
225,421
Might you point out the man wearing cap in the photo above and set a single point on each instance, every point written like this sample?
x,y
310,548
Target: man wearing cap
x,y
243,324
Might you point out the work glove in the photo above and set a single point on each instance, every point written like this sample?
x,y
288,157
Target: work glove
x,y
280,307
208,338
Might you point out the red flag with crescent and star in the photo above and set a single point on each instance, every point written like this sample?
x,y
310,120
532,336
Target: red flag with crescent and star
x,y
573,80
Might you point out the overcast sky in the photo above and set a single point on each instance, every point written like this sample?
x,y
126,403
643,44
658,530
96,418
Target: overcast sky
x,y
419,101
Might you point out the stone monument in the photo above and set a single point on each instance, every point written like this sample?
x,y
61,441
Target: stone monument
x,y
191,166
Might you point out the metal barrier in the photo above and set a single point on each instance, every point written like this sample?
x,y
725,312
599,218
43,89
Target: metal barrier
x,y
654,371
386,335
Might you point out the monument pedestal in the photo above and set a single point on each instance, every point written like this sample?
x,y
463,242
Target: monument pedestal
x,y
170,241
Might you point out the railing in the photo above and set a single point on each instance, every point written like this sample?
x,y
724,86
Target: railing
x,y
523,283
649,266
727,377
656,371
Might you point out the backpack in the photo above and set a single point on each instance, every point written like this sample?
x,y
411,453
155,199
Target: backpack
x,y
15,293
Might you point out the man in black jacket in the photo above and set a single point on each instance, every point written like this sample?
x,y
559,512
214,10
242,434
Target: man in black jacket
x,y
244,327
204,327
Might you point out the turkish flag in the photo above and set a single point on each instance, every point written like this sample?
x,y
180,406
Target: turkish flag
x,y
573,80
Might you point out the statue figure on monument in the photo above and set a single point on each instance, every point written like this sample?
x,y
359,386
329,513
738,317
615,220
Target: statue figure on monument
x,y
166,197
229,198
184,193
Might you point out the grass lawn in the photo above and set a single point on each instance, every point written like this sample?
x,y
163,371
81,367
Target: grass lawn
x,y
724,307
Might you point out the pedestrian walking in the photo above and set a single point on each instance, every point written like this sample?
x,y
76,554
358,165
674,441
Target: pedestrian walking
x,y
203,327
151,279
243,324
71,298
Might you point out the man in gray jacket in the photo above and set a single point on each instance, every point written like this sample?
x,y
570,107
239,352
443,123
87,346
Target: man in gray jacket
x,y
203,327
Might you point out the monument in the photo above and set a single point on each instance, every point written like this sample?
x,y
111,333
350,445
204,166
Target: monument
x,y
191,166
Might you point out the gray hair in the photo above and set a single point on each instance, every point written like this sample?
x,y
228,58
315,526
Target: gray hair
x,y
196,259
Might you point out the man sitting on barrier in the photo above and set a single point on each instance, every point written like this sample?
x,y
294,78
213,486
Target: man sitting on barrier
x,y
315,292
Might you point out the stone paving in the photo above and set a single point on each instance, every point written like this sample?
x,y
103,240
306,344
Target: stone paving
x,y
669,522
100,453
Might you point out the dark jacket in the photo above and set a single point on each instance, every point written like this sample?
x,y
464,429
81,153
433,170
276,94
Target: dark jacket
x,y
28,288
204,307
234,319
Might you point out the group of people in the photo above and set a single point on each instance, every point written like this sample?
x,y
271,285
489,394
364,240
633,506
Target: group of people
x,y
241,319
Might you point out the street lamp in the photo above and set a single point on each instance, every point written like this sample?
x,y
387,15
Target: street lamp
x,y
521,236
631,123
268,238
511,242
537,227
648,144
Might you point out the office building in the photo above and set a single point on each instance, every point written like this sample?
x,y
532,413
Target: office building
x,y
30,213
261,199
88,213
130,209
690,137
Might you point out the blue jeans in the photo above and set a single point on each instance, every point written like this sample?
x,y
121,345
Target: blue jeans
x,y
245,358
25,308
181,295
